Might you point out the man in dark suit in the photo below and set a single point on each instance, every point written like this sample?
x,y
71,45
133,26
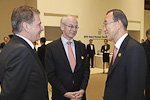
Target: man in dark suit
x,y
41,50
21,73
90,52
127,72
66,63
146,46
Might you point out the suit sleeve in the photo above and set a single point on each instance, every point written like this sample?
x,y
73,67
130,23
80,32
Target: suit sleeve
x,y
102,49
108,47
93,48
50,70
88,49
136,73
17,71
86,71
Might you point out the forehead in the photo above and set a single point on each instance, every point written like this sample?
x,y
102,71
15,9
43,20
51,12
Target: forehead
x,y
71,20
109,17
36,18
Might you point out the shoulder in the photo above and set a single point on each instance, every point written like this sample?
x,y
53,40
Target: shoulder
x,y
79,43
88,44
146,43
103,46
55,42
15,49
134,46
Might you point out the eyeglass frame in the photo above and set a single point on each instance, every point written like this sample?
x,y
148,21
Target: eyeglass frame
x,y
71,26
105,24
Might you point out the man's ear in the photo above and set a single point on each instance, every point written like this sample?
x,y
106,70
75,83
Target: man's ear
x,y
26,26
119,24
62,26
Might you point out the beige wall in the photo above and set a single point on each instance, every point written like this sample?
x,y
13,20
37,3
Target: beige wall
x,y
32,3
146,21
91,14
6,8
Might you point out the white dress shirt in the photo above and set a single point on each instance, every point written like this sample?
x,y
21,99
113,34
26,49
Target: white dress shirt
x,y
28,41
64,41
119,42
91,46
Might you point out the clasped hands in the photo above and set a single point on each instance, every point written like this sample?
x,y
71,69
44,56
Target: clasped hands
x,y
77,95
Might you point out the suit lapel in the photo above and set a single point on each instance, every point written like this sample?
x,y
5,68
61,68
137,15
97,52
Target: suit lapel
x,y
77,52
119,55
63,54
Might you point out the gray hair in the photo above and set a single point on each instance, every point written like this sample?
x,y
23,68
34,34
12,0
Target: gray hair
x,y
20,15
65,18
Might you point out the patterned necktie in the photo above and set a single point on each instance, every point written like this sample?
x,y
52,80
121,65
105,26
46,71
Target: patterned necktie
x,y
71,57
114,55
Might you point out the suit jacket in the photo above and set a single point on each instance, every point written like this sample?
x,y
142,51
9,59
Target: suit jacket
x,y
103,48
21,72
126,78
89,51
146,46
59,71
41,54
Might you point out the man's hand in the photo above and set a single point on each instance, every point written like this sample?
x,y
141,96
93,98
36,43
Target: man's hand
x,y
74,95
78,95
70,95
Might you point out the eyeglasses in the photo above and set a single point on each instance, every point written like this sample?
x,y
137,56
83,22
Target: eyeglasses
x,y
105,24
71,26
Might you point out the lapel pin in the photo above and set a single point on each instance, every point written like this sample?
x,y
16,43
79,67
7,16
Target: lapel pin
x,y
82,57
119,54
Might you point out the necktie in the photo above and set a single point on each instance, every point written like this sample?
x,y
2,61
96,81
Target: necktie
x,y
71,57
114,55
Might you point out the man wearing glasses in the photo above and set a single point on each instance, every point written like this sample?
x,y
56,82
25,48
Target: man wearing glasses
x,y
127,71
66,63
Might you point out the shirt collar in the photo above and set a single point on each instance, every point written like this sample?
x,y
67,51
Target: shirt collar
x,y
64,40
119,42
28,41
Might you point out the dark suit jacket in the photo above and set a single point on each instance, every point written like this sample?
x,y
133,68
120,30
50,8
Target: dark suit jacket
x,y
89,51
41,54
59,71
21,72
146,46
126,78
